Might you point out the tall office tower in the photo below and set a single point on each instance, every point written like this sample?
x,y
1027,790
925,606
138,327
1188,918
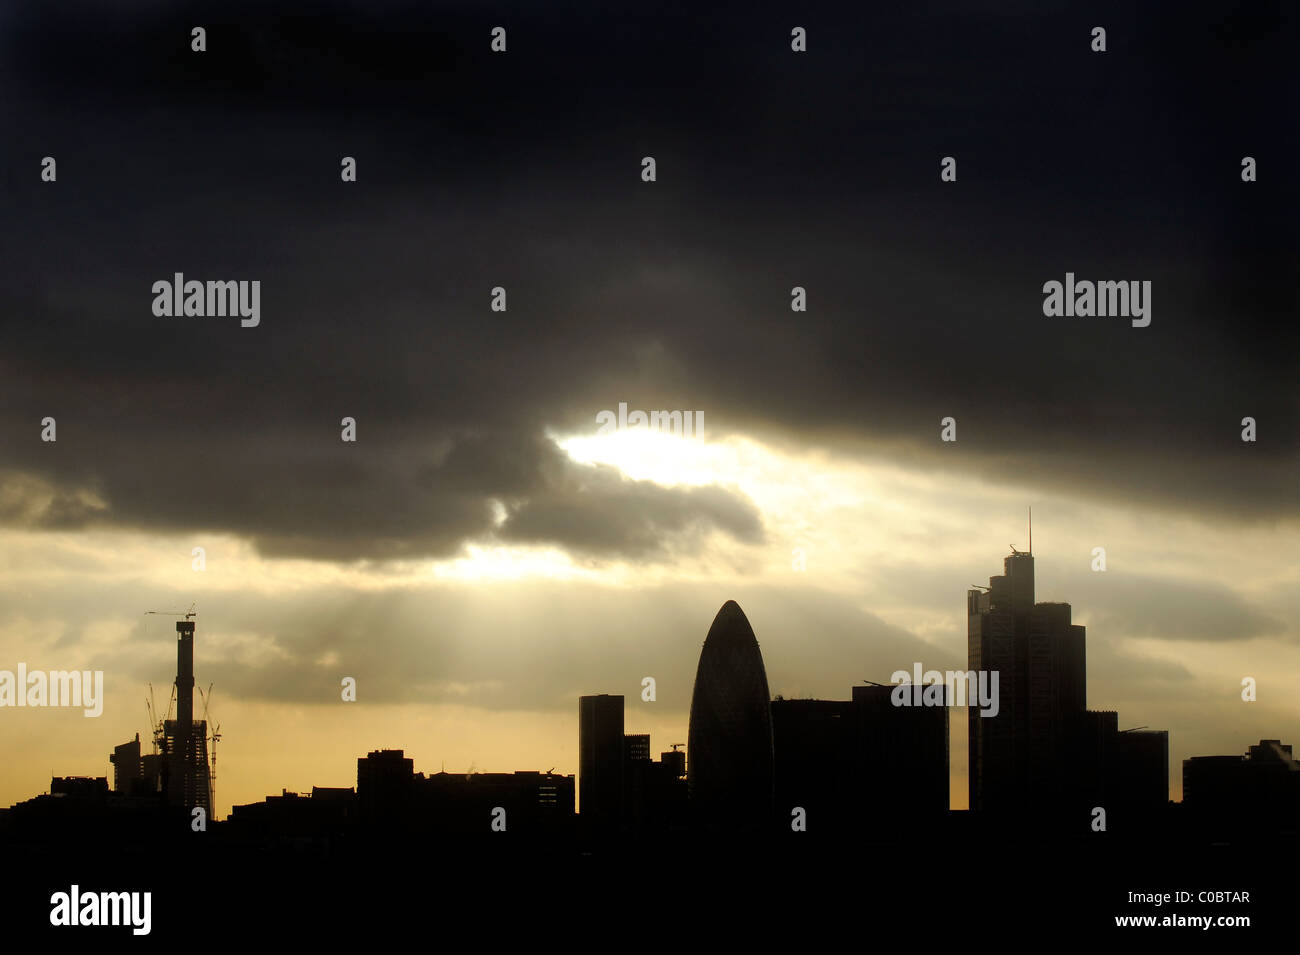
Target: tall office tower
x,y
185,740
600,763
729,743
1020,759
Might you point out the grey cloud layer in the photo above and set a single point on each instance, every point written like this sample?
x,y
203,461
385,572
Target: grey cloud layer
x,y
331,503
522,171
536,651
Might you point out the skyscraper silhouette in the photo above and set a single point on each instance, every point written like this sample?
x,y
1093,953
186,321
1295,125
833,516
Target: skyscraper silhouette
x,y
1020,759
729,748
185,740
600,763
1045,758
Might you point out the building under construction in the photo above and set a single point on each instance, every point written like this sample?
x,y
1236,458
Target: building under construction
x,y
184,741
178,769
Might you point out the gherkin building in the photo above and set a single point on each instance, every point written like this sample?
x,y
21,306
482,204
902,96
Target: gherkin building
x,y
729,748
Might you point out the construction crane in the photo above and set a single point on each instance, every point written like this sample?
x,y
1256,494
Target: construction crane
x,y
212,776
674,746
174,613
214,736
156,726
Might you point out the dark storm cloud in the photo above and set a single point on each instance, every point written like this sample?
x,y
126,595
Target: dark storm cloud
x,y
522,170
394,505
598,510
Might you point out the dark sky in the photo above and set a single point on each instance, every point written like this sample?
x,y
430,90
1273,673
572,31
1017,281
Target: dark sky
x,y
522,170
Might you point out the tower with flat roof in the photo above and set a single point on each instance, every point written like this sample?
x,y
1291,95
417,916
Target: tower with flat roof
x,y
600,763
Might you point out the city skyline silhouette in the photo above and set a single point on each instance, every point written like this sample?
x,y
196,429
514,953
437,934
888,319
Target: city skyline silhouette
x,y
865,776
594,444
1045,764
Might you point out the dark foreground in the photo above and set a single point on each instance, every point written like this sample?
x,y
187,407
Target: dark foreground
x,y
953,888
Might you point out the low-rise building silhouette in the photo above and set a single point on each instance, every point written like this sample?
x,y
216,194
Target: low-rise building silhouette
x,y
1260,789
861,765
